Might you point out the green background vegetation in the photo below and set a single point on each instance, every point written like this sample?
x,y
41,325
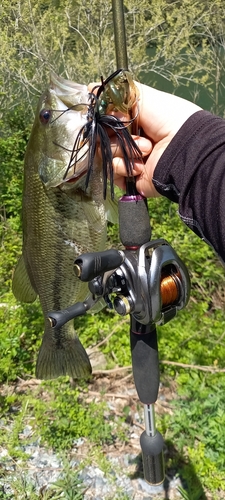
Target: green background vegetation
x,y
186,41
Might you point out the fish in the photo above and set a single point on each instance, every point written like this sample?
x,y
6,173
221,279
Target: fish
x,y
62,219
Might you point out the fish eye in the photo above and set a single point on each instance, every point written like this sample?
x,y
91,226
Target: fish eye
x,y
45,115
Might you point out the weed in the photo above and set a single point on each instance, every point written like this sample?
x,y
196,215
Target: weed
x,y
69,487
194,496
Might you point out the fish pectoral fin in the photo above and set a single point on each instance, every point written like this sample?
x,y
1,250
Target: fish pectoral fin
x,y
21,285
111,208
62,355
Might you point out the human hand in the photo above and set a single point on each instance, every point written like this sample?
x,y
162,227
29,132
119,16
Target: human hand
x,y
160,116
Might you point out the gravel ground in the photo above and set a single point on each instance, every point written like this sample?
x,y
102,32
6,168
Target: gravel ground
x,y
44,468
124,469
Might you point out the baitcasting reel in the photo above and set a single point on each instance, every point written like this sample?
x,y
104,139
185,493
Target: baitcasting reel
x,y
150,283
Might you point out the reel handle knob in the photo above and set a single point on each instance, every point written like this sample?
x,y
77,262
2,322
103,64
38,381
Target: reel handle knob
x,y
90,265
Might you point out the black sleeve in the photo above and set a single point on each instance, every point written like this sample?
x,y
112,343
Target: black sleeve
x,y
191,172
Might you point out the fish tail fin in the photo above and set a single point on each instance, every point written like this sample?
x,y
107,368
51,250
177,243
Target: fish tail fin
x,y
62,355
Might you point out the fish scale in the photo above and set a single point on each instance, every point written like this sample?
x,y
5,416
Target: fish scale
x,y
60,221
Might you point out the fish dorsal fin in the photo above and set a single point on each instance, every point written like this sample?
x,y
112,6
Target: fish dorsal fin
x,y
21,285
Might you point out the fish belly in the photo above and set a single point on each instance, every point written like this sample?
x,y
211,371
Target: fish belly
x,y
57,228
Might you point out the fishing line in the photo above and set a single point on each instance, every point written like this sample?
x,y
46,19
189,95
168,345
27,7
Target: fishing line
x,y
62,112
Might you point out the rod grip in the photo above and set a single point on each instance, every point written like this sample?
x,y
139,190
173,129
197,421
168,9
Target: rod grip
x,y
145,363
134,222
153,459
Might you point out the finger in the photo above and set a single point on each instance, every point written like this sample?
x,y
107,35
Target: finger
x,y
143,183
145,186
119,168
92,85
144,144
120,182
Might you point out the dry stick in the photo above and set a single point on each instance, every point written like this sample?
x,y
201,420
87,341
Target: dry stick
x,y
123,396
112,395
126,377
108,336
210,369
220,338
113,370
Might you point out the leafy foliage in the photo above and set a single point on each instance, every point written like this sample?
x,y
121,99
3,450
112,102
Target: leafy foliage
x,y
75,417
20,333
37,37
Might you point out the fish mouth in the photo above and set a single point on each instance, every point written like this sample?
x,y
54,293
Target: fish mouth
x,y
58,168
75,178
76,97
51,173
70,93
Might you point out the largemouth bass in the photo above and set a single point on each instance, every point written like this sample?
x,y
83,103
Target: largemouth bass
x,y
61,220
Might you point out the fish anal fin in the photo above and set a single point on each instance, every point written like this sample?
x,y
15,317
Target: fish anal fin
x,y
111,207
101,304
21,285
68,359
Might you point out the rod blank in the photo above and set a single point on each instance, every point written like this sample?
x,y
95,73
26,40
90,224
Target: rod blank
x,y
120,34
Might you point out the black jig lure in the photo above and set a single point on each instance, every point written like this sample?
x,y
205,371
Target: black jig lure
x,y
113,93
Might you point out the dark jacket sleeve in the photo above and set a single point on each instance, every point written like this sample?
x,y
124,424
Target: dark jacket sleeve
x,y
191,172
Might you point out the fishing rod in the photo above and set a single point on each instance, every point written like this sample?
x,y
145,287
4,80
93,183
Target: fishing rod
x,y
120,34
135,232
146,280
